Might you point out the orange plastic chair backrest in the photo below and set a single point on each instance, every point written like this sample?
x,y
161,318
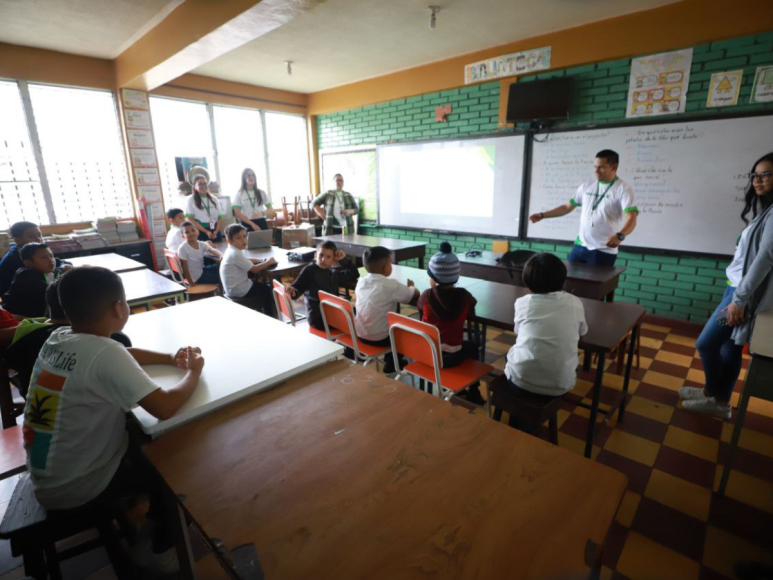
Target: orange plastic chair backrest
x,y
174,265
414,339
282,300
337,312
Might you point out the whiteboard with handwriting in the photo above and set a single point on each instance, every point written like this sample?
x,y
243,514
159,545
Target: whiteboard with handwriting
x,y
689,179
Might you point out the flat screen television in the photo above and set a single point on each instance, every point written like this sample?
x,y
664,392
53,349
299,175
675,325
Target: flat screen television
x,y
543,100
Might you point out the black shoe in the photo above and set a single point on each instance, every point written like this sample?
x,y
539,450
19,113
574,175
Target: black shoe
x,y
389,366
349,353
473,396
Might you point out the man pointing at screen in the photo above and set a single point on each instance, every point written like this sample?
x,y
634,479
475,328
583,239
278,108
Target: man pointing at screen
x,y
608,216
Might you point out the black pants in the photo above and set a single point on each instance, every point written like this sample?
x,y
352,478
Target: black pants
x,y
389,358
262,223
452,359
205,238
265,297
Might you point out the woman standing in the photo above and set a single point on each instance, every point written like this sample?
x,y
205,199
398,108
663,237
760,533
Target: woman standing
x,y
336,208
251,205
203,209
749,291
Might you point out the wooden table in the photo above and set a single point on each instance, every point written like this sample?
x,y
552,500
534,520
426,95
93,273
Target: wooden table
x,y
284,267
245,352
343,473
584,280
113,262
144,287
355,245
13,459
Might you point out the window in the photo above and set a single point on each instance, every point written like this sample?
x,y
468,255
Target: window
x,y
21,194
181,129
82,153
358,168
239,135
288,159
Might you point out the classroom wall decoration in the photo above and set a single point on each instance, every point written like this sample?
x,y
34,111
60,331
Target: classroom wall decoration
x,y
724,89
659,83
505,66
762,91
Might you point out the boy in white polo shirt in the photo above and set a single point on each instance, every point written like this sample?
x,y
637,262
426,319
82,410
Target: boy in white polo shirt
x,y
235,269
174,237
376,295
549,323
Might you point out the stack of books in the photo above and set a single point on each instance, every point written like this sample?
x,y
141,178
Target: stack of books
x,y
62,244
89,239
127,231
107,228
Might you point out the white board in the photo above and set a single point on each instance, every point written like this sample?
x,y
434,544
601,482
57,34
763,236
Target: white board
x,y
689,179
469,185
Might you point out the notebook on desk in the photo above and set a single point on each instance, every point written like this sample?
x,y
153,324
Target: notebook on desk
x,y
762,337
259,239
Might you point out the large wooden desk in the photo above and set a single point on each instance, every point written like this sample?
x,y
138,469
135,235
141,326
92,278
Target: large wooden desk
x,y
113,262
584,280
245,352
343,473
144,286
284,267
355,245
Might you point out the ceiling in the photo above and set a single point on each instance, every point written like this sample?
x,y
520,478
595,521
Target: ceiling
x,y
336,43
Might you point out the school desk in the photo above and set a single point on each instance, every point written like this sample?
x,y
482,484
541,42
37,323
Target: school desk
x,y
584,280
355,245
343,473
244,351
284,267
143,287
609,323
113,262
13,459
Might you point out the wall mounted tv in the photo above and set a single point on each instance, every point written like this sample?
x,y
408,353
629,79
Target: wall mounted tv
x,y
543,100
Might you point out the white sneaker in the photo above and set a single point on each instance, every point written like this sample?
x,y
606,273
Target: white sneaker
x,y
708,406
691,393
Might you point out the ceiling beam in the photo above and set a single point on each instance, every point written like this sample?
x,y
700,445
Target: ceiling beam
x,y
197,32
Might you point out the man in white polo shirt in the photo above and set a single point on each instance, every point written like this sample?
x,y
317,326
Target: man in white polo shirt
x,y
609,213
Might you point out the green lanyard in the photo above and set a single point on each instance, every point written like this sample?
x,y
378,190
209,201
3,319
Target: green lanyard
x,y
603,195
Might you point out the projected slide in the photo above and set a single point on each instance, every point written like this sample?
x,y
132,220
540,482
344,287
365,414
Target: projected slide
x,y
471,185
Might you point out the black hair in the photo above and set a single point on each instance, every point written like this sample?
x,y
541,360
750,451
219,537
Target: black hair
x,y
187,223
611,156
29,250
328,245
87,293
171,213
544,273
232,230
261,197
751,199
197,197
52,300
18,229
375,258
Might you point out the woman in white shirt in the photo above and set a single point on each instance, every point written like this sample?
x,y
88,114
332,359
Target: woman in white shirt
x,y
251,205
203,209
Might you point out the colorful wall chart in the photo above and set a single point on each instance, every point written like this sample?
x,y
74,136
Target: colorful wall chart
x,y
659,84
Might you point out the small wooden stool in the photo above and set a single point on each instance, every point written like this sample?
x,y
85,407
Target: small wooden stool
x,y
201,291
525,409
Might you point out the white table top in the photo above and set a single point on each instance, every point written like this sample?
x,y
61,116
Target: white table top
x,y
114,262
245,352
142,285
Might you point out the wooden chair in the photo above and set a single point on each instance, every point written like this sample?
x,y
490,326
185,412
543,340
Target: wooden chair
x,y
306,212
421,342
196,292
284,307
290,217
338,316
9,409
528,411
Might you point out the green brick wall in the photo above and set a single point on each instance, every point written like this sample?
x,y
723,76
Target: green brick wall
x,y
685,288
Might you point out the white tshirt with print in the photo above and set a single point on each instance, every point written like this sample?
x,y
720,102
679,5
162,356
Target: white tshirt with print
x,y
611,202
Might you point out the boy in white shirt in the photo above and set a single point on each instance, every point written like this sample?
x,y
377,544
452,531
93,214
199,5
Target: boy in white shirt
x,y
197,258
174,237
82,386
235,270
376,295
549,323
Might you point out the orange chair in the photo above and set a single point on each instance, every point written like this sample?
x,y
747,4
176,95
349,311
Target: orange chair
x,y
420,342
338,316
194,292
284,307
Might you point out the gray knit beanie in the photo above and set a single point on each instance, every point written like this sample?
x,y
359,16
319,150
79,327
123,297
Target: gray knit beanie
x,y
444,266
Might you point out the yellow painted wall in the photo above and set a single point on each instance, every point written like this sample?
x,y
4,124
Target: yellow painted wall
x,y
47,66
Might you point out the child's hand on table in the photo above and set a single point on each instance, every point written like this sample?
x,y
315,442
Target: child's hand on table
x,y
184,356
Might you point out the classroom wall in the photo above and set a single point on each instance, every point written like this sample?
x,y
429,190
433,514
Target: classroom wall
x,y
678,287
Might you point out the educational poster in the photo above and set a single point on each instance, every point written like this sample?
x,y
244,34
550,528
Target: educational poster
x,y
762,91
508,65
139,138
659,84
724,88
150,193
143,157
146,176
137,119
135,99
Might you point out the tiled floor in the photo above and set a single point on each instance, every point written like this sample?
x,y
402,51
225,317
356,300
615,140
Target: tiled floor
x,y
671,525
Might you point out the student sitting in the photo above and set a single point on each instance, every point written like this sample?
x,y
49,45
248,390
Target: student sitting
x,y
82,387
549,323
23,233
174,237
32,333
448,307
196,258
27,294
8,320
235,270
330,270
376,295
